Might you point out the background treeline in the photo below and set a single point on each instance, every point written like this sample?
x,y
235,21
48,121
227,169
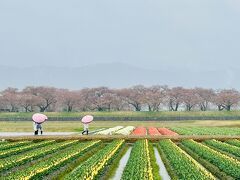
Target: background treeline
x,y
136,98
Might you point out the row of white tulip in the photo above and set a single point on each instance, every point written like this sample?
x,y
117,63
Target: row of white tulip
x,y
109,131
125,131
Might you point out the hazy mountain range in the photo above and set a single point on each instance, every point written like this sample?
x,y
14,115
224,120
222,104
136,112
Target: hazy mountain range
x,y
115,75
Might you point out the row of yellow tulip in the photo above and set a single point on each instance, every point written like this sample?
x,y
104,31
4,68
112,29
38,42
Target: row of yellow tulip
x,y
218,145
19,159
6,144
180,165
16,150
38,170
225,163
233,142
139,165
91,168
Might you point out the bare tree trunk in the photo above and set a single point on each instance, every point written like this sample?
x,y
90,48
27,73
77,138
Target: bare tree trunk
x,y
42,109
228,107
203,107
31,109
136,106
176,107
220,107
13,109
26,108
109,107
149,108
69,108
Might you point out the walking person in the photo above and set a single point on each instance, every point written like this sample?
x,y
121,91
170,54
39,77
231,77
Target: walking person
x,y
86,120
38,119
85,128
37,127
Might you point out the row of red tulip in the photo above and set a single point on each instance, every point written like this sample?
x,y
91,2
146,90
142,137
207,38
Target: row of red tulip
x,y
165,131
153,131
141,131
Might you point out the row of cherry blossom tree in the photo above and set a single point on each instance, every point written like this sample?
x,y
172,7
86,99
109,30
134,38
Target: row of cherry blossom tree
x,y
136,98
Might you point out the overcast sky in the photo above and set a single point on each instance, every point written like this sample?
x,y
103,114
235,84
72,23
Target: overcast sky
x,y
198,34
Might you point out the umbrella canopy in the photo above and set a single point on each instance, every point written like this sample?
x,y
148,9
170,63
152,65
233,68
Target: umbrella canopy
x,y
39,118
87,119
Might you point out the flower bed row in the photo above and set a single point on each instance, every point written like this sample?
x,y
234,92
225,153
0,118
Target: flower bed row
x,y
6,145
234,142
90,168
140,131
153,131
224,147
179,164
19,159
165,131
139,164
36,171
207,130
109,131
125,131
225,163
16,150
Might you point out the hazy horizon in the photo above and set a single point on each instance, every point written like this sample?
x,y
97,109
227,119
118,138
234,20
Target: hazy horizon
x,y
190,37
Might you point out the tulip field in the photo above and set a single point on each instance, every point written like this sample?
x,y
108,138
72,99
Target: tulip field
x,y
102,155
138,131
100,159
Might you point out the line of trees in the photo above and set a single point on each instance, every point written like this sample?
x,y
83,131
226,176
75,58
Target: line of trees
x,y
136,98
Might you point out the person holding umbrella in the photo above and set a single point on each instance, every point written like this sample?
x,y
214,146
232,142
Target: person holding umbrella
x,y
37,127
85,128
86,120
38,119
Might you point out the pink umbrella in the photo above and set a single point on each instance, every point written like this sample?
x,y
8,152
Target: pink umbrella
x,y
39,118
87,119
